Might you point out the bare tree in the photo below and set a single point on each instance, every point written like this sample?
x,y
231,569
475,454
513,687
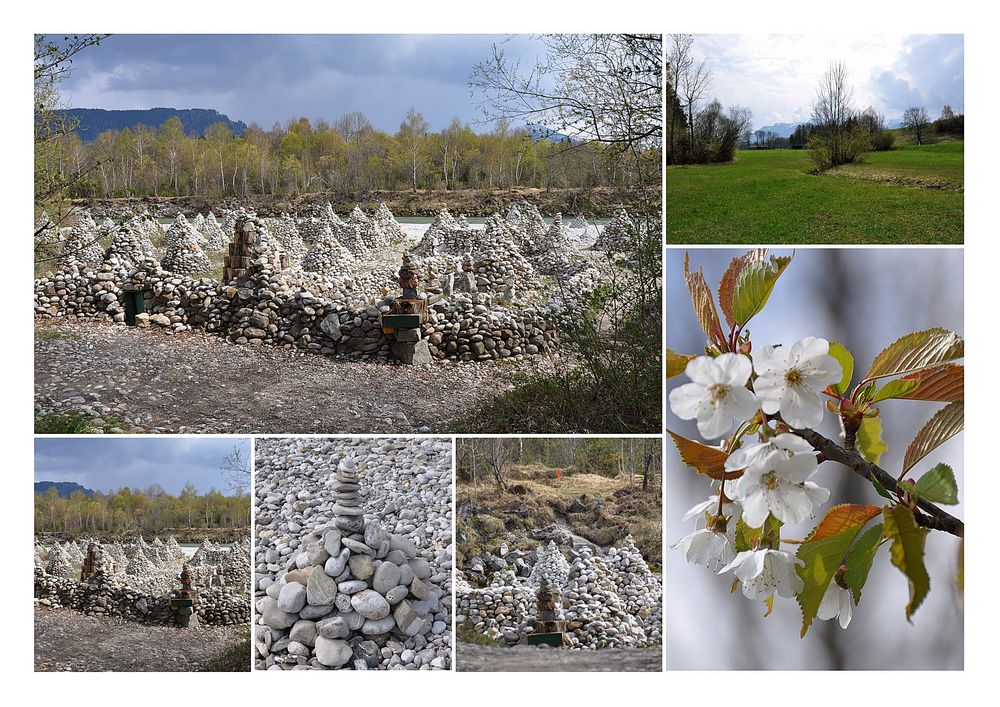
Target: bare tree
x,y
915,120
694,84
497,454
832,109
235,468
679,62
602,88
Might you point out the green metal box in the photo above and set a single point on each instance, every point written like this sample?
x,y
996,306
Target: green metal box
x,y
551,639
400,321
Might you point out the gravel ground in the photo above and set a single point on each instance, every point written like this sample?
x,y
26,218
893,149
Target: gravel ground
x,y
67,640
471,657
198,383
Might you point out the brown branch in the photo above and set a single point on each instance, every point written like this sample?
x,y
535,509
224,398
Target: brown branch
x,y
932,516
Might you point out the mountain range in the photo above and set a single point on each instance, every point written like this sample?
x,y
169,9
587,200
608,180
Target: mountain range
x,y
94,121
65,489
786,129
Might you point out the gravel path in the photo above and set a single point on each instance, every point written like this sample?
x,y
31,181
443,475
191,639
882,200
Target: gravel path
x,y
67,640
198,383
472,657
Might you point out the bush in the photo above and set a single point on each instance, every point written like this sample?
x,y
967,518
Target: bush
x,y
833,148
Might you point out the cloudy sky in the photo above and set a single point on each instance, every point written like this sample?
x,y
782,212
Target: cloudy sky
x,y
776,75
268,78
108,464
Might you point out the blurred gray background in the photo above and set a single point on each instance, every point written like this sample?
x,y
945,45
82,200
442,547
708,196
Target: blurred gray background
x,y
865,299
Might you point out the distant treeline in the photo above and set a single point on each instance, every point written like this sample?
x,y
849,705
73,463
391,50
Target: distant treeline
x,y
882,139
149,511
348,156
607,457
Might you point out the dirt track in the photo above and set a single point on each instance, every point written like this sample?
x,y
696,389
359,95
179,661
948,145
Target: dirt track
x,y
199,383
471,657
67,640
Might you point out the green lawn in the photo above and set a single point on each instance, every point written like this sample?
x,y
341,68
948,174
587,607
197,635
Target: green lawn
x,y
907,195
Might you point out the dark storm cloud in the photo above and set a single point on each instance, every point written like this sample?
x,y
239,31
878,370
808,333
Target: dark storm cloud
x,y
268,78
109,464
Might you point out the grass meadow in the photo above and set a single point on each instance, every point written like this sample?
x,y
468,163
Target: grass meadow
x,y
908,195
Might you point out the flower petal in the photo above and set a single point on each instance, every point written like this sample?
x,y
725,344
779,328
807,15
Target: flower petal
x,y
703,370
734,368
800,409
686,400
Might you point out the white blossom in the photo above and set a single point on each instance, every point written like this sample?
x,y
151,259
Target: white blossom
x,y
707,548
776,482
749,453
789,380
763,572
716,395
837,603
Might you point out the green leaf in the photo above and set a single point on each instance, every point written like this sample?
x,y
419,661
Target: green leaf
x,y
879,488
921,349
755,283
945,424
869,440
899,388
676,363
846,361
822,559
938,486
859,560
907,553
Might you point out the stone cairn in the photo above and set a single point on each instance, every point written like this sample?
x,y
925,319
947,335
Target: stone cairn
x,y
387,223
354,587
126,250
184,255
618,235
142,591
215,238
607,601
82,246
286,235
326,255
408,346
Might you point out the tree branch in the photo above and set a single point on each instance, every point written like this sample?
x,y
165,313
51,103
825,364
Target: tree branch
x,y
932,516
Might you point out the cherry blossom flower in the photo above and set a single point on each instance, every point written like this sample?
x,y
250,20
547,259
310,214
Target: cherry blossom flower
x,y
707,548
763,572
777,484
789,380
748,454
837,603
717,395
711,505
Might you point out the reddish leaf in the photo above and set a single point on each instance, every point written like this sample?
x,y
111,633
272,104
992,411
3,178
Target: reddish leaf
x,y
841,518
941,384
945,424
704,305
704,459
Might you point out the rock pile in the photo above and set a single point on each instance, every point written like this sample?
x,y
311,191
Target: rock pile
x,y
353,559
618,235
326,255
212,234
610,600
133,580
184,255
126,250
82,245
286,236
